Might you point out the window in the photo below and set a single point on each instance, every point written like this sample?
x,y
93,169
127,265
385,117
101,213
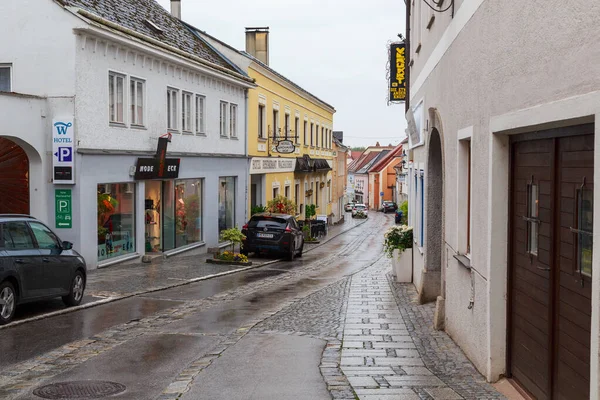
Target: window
x,y
318,189
226,203
116,219
172,115
17,236
297,130
275,123
233,120
287,126
422,222
188,212
316,135
275,192
311,134
44,237
200,112
532,218
286,192
223,119
137,89
585,230
261,121
296,195
305,132
464,192
116,95
186,112
5,81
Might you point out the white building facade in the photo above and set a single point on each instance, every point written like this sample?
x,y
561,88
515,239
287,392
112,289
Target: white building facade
x,y
502,178
115,89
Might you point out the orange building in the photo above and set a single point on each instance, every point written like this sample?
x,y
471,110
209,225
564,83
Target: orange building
x,y
382,178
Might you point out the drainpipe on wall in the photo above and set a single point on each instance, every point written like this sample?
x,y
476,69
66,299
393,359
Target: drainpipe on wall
x,y
407,66
246,153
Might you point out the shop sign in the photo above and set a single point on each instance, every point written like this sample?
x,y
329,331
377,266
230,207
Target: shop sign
x,y
265,165
63,208
285,147
158,167
63,150
397,72
414,120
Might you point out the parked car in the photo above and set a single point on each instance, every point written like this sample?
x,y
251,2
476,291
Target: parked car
x,y
348,206
36,265
359,207
273,233
389,206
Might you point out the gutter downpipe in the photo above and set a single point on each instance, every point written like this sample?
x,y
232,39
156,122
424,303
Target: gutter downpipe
x,y
407,67
246,153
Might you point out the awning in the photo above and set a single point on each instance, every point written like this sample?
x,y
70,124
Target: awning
x,y
307,164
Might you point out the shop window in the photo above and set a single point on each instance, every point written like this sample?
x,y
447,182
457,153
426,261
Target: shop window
x,y
116,97
233,115
116,219
5,79
223,119
226,203
186,112
200,112
188,212
137,92
584,230
172,114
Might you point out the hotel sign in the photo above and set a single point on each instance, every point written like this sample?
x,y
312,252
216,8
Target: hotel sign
x,y
63,150
397,72
265,165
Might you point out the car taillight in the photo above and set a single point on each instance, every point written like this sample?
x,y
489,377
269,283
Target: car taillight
x,y
288,230
245,226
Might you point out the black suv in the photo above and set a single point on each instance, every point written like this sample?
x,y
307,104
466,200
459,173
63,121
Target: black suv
x,y
273,233
388,206
36,265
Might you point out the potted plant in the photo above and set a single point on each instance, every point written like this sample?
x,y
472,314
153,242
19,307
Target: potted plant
x,y
398,246
235,236
282,205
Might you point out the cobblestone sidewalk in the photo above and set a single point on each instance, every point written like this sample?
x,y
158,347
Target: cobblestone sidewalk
x,y
389,351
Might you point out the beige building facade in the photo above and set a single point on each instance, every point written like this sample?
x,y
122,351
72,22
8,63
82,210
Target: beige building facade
x,y
504,107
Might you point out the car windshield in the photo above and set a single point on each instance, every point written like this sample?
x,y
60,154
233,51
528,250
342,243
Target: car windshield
x,y
360,207
267,222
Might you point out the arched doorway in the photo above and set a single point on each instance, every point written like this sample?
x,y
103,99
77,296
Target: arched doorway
x,y
14,178
432,274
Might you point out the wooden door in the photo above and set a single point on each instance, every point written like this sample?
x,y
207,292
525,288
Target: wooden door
x,y
531,260
14,178
550,256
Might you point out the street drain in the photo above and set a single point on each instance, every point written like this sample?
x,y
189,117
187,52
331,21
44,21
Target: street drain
x,y
79,390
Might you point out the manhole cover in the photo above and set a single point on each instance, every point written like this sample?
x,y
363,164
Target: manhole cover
x,y
79,390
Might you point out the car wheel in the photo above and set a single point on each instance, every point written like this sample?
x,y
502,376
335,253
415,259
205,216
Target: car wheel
x,y
77,288
8,302
290,255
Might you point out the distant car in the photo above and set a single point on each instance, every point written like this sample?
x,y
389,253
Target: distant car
x,y
273,233
348,207
359,207
36,265
389,206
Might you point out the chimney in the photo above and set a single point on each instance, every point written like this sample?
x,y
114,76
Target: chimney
x,y
257,43
377,144
176,8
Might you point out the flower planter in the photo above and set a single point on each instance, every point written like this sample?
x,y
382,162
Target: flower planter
x,y
402,264
225,262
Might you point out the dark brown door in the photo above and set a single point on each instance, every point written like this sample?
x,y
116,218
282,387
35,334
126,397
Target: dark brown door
x,y
14,178
550,256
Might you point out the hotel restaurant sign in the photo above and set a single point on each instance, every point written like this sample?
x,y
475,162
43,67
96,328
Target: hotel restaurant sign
x,y
397,72
265,165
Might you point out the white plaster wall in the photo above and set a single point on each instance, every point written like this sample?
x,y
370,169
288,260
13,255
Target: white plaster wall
x,y
40,44
500,62
95,58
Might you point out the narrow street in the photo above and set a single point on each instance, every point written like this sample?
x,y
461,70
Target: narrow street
x,y
325,325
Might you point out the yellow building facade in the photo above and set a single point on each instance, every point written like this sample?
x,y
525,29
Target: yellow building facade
x,y
280,110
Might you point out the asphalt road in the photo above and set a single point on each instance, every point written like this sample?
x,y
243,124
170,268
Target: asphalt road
x,y
203,330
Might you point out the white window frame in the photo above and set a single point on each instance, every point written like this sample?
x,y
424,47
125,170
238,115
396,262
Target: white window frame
x,y
275,122
186,112
113,109
262,113
200,117
223,118
233,116
464,223
9,67
297,129
133,95
173,111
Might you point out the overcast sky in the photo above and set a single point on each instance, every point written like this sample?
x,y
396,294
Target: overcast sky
x,y
335,49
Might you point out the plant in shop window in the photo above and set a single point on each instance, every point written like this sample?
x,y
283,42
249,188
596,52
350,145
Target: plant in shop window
x,y
282,205
106,206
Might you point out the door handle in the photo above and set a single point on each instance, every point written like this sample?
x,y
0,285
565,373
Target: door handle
x,y
19,261
45,259
543,268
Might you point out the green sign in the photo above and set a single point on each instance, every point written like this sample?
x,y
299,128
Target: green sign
x,y
62,200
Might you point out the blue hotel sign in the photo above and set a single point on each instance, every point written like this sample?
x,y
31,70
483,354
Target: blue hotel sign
x,y
63,150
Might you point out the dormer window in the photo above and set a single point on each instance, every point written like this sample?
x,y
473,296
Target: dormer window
x,y
155,28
